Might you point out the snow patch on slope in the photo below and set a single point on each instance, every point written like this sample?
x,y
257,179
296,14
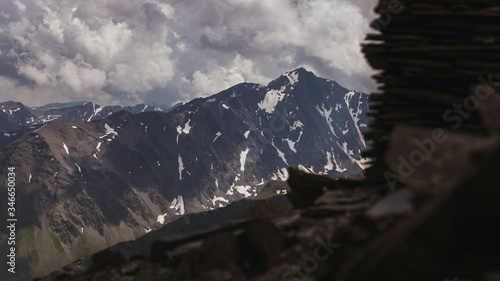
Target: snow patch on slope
x,y
293,77
282,174
326,113
109,131
217,199
332,163
178,205
280,153
98,147
217,136
355,114
304,169
187,128
181,167
161,218
272,98
350,154
66,148
95,112
243,159
244,190
297,124
79,169
337,165
291,145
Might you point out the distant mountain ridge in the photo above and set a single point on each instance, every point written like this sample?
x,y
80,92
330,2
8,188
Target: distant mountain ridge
x,y
15,117
58,105
88,185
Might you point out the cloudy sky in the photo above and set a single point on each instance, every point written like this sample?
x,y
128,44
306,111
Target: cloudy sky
x,y
164,51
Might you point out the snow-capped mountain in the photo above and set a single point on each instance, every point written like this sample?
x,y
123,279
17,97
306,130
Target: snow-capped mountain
x,y
85,185
16,118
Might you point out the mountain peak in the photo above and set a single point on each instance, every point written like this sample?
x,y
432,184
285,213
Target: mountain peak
x,y
292,78
8,104
301,71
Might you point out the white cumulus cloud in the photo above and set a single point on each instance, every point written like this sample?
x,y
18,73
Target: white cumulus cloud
x,y
124,52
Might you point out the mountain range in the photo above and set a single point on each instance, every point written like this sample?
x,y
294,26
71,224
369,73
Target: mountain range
x,y
89,177
16,118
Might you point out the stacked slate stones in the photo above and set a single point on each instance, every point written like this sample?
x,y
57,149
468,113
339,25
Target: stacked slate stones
x,y
435,134
431,55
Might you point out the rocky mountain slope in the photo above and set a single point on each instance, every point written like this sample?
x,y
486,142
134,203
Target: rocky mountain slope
x,y
265,206
84,186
